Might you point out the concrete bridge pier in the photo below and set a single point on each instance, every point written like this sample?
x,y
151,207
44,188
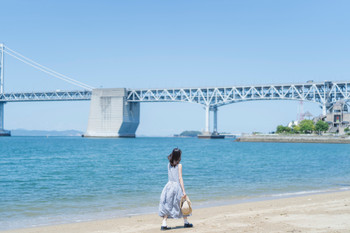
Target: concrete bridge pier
x,y
207,120
3,132
215,128
207,133
111,115
326,106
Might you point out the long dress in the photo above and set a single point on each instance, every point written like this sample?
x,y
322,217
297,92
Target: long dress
x,y
169,203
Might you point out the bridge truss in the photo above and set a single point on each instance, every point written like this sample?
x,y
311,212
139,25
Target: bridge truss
x,y
321,93
324,93
46,96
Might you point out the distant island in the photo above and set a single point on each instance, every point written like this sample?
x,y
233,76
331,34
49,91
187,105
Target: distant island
x,y
188,133
25,132
194,133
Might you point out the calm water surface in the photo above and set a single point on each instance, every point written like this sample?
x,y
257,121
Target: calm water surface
x,y
67,179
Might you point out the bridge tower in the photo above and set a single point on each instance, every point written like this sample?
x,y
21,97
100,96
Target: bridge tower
x,y
2,131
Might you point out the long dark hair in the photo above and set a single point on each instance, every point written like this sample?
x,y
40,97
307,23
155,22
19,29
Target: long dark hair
x,y
175,157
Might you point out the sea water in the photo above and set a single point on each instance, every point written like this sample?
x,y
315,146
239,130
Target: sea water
x,y
69,179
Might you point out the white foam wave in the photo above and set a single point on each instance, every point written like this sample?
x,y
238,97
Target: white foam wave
x,y
302,193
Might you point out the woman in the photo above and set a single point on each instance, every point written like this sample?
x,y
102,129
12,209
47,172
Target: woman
x,y
169,205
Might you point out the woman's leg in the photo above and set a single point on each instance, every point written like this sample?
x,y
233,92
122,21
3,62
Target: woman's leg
x,y
186,223
164,226
185,220
164,221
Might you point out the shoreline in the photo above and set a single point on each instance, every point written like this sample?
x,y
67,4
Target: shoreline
x,y
333,206
294,139
146,210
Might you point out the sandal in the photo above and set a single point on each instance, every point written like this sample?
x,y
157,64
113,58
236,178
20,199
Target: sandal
x,y
165,228
188,225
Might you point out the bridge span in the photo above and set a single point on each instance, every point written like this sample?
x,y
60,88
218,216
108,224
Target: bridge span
x,y
324,93
115,112
119,108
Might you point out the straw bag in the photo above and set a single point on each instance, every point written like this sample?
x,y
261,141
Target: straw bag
x,y
186,206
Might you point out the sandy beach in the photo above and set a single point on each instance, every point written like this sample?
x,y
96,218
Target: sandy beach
x,y
329,212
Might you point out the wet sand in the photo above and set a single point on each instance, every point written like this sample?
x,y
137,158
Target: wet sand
x,y
328,212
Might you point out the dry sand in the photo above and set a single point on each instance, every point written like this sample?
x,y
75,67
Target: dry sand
x,y
328,212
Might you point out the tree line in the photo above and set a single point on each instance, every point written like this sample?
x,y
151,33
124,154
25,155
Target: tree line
x,y
304,127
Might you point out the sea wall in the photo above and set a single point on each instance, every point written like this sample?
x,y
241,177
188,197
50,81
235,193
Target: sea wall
x,y
293,138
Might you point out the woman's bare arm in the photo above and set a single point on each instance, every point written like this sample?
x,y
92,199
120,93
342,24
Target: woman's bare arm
x,y
181,180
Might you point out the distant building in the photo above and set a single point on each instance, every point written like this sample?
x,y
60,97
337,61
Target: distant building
x,y
292,124
307,115
338,117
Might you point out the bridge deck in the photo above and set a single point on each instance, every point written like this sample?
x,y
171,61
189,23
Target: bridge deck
x,y
322,93
46,96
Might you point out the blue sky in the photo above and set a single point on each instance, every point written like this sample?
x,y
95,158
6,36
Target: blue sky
x,y
159,44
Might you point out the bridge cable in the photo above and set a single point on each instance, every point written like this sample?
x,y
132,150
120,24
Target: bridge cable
x,y
46,69
28,63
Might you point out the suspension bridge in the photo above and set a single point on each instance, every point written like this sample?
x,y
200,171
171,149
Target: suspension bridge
x,y
115,112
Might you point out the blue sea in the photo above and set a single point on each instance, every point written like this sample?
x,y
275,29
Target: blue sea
x,y
55,180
